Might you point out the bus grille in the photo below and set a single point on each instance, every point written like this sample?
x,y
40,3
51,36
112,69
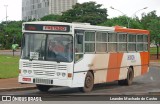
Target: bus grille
x,y
43,81
43,66
46,73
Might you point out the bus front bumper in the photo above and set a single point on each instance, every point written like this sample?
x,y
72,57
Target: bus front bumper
x,y
45,81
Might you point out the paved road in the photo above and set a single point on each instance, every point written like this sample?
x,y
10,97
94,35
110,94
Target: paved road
x,y
148,84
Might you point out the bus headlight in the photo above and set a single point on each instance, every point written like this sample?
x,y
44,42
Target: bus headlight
x,y
25,71
63,74
29,71
58,73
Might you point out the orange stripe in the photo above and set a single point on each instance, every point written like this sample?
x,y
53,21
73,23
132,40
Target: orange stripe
x,y
134,31
144,62
114,65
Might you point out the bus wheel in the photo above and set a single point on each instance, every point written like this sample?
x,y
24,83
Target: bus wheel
x,y
43,88
121,82
129,79
130,76
89,83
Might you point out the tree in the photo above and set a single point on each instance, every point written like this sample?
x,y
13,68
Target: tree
x,y
147,18
154,27
88,12
151,22
51,17
9,31
123,21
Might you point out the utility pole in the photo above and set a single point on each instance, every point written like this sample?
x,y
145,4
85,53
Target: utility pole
x,y
5,34
128,20
6,13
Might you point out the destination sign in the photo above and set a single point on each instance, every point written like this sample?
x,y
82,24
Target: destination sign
x,y
48,28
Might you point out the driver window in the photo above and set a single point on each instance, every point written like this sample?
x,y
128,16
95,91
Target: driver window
x,y
78,44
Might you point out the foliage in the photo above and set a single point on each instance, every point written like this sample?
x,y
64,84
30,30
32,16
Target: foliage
x,y
151,22
153,50
9,31
88,12
51,17
147,18
123,21
154,28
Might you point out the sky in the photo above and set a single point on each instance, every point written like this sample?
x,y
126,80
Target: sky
x,y
128,7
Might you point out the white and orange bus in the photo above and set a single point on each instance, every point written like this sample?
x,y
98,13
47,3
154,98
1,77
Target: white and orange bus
x,y
81,55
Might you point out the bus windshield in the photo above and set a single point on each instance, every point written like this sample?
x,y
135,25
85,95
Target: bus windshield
x,y
49,47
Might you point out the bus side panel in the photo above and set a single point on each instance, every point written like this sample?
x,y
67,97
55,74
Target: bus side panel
x,y
123,69
100,65
133,59
109,67
80,70
145,62
113,71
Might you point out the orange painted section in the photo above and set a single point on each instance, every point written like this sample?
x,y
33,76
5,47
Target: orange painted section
x,y
114,65
133,31
144,62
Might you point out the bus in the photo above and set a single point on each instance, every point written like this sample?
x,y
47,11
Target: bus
x,y
81,55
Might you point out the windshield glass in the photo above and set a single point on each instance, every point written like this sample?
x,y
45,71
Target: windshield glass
x,y
52,47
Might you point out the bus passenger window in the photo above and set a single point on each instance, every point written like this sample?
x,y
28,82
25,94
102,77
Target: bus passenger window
x,y
112,42
112,47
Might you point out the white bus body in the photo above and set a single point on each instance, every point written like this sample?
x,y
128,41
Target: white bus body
x,y
104,65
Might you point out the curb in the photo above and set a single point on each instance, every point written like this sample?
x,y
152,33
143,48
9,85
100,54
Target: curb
x,y
16,89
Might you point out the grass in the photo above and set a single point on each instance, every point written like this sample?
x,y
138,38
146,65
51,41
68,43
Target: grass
x,y
153,50
9,66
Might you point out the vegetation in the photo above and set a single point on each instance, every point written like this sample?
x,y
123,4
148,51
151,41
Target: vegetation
x,y
10,33
153,50
122,21
8,66
88,12
51,17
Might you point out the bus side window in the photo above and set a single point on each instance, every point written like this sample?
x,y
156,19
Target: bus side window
x,y
78,45
112,42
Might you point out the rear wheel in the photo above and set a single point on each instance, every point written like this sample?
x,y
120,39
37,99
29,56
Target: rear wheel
x,y
128,81
89,83
121,82
43,88
130,76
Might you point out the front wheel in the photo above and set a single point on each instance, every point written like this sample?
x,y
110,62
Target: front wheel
x,y
88,84
43,88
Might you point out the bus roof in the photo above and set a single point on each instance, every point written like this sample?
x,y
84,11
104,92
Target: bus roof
x,y
87,26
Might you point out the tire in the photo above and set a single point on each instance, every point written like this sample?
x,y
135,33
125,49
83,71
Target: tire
x,y
128,81
43,88
121,82
130,76
88,84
